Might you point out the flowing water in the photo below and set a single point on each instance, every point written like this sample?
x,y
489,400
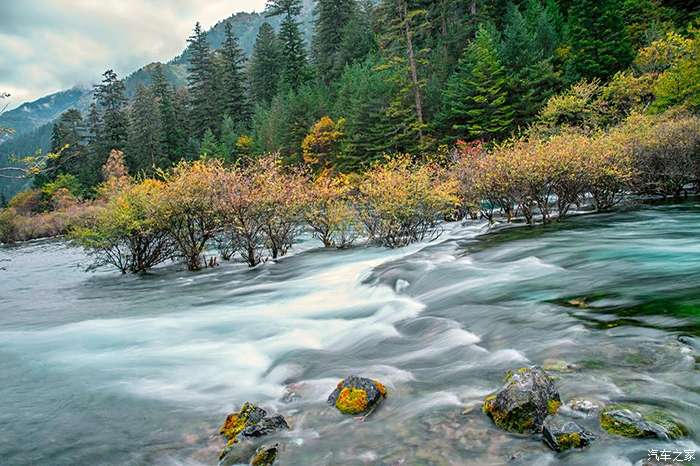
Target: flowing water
x,y
100,369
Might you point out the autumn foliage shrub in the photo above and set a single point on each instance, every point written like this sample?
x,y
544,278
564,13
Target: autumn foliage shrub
x,y
331,212
129,232
665,150
401,201
190,206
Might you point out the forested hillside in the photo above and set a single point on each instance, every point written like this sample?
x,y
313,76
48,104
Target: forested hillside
x,y
393,77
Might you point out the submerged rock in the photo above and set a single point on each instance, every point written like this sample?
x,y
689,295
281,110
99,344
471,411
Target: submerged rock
x,y
557,365
563,434
522,404
624,420
357,395
265,456
240,428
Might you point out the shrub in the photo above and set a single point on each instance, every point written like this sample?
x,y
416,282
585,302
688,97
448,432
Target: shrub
x,y
27,202
331,212
243,216
191,208
665,151
8,225
283,196
129,232
610,171
401,202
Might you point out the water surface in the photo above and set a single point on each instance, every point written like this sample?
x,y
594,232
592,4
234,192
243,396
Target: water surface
x,y
101,369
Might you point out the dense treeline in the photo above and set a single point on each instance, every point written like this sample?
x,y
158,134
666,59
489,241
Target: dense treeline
x,y
398,115
397,76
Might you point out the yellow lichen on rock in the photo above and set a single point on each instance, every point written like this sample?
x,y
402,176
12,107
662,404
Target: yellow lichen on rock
x,y
352,401
380,387
553,406
233,425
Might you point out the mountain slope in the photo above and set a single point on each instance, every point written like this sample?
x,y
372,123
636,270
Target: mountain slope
x,y
30,116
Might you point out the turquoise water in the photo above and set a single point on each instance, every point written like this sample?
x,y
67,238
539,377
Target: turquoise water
x,y
100,369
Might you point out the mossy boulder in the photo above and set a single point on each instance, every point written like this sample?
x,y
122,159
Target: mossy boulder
x,y
628,421
265,456
562,434
357,395
242,428
522,404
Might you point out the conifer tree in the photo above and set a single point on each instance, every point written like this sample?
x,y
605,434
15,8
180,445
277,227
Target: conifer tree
x,y
358,39
526,53
265,69
405,22
200,85
66,140
293,51
364,97
475,99
332,17
173,132
597,40
233,93
145,151
111,102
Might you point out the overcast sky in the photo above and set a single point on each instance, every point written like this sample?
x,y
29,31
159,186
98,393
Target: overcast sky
x,y
51,45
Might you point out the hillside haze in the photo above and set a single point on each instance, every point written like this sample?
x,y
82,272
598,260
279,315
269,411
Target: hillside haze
x,y
32,121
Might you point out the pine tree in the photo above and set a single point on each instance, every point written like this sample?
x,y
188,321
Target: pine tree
x,y
66,142
210,147
173,142
145,151
110,97
233,93
200,85
332,17
405,22
358,40
597,40
293,51
475,99
364,97
265,67
526,54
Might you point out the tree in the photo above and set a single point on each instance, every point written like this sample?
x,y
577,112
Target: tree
x,y
322,145
200,85
145,151
597,41
405,20
173,142
332,18
265,67
363,100
475,99
293,50
233,93
66,140
111,100
526,51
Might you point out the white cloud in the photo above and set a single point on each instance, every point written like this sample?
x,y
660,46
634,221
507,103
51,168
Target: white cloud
x,y
50,45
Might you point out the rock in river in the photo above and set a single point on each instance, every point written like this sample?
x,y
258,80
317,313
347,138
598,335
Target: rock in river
x,y
242,428
562,434
357,395
265,456
624,420
522,404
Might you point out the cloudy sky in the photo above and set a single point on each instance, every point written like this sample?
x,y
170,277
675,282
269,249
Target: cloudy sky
x,y
51,45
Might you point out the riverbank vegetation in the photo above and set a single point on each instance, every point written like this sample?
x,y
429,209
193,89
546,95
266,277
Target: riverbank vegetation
x,y
404,116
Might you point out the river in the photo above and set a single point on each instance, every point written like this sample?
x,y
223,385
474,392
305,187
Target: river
x,y
103,369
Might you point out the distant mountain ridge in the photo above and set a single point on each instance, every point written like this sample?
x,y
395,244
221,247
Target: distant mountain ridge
x,y
28,119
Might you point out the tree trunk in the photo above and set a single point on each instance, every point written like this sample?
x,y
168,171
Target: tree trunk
x,y
413,67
